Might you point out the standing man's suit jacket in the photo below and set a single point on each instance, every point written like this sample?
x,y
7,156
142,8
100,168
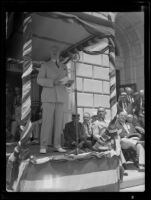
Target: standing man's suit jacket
x,y
48,73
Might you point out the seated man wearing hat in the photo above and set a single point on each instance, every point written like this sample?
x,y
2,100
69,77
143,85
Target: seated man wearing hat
x,y
70,132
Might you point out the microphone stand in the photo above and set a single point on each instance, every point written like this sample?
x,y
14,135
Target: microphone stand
x,y
75,59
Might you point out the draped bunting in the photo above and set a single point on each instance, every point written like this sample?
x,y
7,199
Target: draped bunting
x,y
112,75
94,29
69,173
26,99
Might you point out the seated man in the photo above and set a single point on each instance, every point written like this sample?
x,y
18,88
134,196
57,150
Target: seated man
x,y
70,132
133,142
134,130
99,131
86,133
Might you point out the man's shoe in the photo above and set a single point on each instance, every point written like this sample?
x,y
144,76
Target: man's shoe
x,y
61,150
43,150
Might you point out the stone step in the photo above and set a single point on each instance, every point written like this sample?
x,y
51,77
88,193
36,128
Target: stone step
x,y
134,178
140,188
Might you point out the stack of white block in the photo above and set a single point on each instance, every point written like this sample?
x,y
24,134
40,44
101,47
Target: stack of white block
x,y
93,86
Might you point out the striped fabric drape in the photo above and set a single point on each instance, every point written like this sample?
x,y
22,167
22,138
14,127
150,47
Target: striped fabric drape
x,y
112,75
12,164
26,76
76,174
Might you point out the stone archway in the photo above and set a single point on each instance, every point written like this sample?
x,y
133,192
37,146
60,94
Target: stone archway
x,y
129,30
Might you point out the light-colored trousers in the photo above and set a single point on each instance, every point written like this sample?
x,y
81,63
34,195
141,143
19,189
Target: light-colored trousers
x,y
126,143
52,119
119,150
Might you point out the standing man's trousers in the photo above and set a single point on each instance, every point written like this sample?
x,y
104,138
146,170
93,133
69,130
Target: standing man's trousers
x,y
52,116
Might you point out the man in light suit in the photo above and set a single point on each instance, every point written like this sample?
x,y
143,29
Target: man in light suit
x,y
132,142
52,98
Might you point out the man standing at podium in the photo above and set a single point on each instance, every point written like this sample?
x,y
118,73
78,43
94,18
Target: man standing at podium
x,y
53,78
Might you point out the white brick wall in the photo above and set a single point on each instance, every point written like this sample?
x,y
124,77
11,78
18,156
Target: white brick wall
x,y
92,85
101,73
93,59
80,112
79,84
106,87
101,100
85,99
87,73
84,70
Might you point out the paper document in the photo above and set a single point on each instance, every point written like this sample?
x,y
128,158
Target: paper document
x,y
66,80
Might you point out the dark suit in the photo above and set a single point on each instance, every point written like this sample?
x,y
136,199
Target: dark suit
x,y
70,133
139,105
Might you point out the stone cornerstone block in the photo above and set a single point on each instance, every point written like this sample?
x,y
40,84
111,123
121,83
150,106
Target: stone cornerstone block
x,y
84,70
85,99
105,60
93,59
101,73
106,87
92,85
79,84
101,100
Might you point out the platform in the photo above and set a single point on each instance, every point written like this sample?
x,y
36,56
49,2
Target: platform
x,y
87,171
135,181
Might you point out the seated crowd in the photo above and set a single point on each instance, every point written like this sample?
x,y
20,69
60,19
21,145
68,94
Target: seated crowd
x,y
94,133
